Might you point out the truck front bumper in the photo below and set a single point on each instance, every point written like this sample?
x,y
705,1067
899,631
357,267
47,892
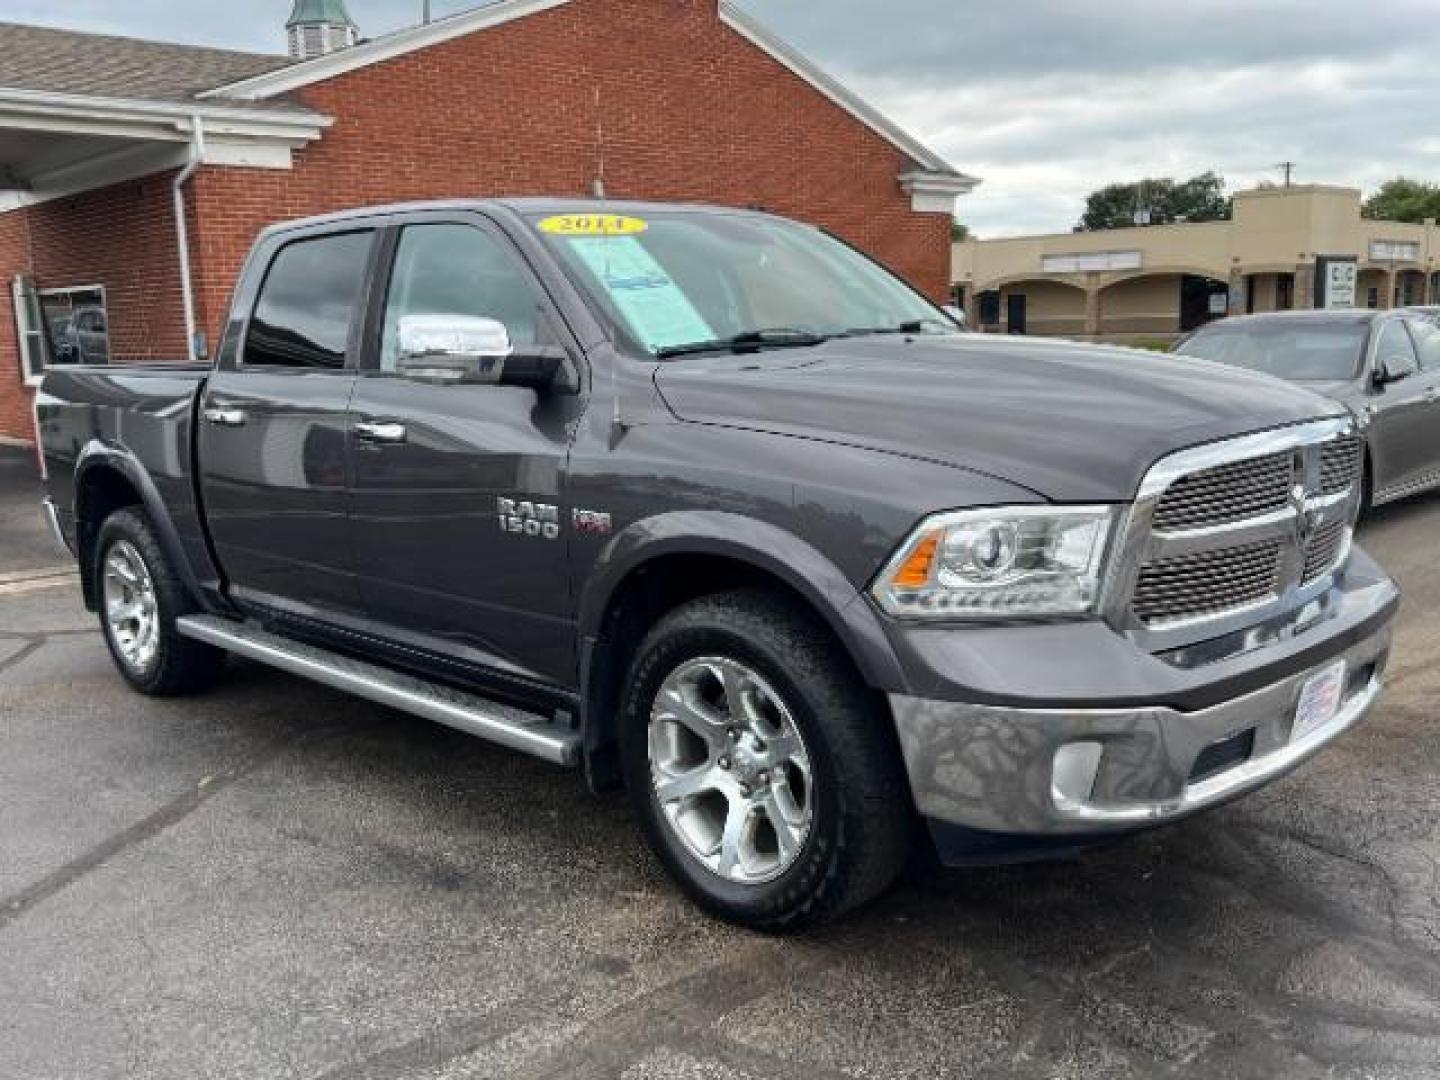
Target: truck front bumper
x,y
999,782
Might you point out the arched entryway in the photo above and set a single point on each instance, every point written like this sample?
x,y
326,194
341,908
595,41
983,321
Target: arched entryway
x,y
1163,304
1038,306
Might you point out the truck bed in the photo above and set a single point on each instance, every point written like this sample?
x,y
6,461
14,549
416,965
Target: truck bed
x,y
143,412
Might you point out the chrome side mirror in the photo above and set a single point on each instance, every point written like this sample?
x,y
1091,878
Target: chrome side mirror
x,y
476,350
453,348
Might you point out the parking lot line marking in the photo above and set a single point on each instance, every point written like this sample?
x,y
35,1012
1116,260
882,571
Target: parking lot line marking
x,y
9,576
39,584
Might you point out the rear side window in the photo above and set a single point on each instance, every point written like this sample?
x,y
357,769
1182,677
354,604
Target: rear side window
x,y
310,296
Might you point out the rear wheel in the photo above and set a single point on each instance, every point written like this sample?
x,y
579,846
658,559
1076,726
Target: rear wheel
x,y
140,597
760,765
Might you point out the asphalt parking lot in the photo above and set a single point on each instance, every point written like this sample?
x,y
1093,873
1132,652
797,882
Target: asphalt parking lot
x,y
276,880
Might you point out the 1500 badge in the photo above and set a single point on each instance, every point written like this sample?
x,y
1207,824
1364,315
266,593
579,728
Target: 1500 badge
x,y
529,518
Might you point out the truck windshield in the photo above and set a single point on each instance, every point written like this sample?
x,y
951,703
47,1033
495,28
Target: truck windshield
x,y
1302,350
677,283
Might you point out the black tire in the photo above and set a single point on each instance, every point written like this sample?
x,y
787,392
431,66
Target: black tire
x,y
863,817
179,665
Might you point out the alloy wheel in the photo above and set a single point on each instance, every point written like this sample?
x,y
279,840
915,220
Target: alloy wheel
x,y
730,770
131,610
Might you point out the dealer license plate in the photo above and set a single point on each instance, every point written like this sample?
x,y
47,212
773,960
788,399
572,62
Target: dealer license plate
x,y
1319,701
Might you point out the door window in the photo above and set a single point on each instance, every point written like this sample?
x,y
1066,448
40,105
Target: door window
x,y
1395,350
1427,343
453,269
308,302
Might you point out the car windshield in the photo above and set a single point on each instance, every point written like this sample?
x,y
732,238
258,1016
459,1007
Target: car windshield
x,y
677,283
1300,350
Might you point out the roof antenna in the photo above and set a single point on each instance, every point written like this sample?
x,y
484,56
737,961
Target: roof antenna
x,y
618,425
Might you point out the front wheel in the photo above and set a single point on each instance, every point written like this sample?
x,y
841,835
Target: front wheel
x,y
763,771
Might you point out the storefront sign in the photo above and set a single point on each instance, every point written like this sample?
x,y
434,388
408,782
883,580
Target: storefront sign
x,y
1336,277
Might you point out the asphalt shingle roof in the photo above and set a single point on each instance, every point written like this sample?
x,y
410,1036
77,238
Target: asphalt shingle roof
x,y
64,61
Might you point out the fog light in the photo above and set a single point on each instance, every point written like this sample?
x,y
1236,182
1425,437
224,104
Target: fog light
x,y
1076,764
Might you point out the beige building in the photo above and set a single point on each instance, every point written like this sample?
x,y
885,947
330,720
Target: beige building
x,y
1295,247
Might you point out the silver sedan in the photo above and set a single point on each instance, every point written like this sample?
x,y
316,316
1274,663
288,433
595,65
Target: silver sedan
x,y
1384,366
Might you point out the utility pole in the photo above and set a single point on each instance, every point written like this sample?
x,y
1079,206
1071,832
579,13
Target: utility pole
x,y
425,12
1288,168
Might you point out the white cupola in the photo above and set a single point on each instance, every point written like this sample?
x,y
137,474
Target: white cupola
x,y
317,27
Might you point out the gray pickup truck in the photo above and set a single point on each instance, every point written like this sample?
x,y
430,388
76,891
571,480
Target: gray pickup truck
x,y
708,504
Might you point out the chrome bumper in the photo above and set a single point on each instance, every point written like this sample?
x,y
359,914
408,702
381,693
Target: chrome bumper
x,y
52,516
1053,772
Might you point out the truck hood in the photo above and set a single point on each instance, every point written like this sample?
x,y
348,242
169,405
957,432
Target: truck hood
x,y
1072,423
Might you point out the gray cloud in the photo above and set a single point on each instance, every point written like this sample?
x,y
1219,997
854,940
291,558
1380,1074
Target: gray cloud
x,y
1044,99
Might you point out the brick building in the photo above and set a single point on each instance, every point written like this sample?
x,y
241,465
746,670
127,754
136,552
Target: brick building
x,y
134,175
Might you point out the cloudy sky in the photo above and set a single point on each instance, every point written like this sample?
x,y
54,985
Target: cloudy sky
x,y
1044,99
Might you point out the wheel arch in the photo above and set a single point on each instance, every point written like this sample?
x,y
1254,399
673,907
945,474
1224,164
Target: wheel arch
x,y
108,478
659,563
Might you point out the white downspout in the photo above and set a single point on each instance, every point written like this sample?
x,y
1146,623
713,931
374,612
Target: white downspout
x,y
182,235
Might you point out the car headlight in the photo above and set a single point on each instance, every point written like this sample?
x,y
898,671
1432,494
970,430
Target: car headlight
x,y
1003,563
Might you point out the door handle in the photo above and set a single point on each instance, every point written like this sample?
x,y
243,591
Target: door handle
x,y
385,432
224,417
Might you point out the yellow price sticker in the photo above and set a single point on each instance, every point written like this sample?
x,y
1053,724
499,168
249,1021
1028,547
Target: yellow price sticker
x,y
593,225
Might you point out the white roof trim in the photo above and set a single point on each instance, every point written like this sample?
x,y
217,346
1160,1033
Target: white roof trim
x,y
787,55
125,163
160,120
935,193
343,61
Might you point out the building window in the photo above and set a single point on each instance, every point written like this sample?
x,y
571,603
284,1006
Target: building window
x,y
30,328
1372,297
1394,251
1081,262
60,326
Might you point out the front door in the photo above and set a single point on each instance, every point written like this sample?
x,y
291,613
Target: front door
x,y
1015,313
272,429
459,533
1402,425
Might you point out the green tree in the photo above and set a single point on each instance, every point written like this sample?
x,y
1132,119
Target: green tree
x,y
1167,201
959,231
1403,199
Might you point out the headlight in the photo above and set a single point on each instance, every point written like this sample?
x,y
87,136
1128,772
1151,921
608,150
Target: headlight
x,y
1009,562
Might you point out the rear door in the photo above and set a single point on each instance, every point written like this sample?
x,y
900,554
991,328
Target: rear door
x,y
1402,427
1426,332
273,421
459,529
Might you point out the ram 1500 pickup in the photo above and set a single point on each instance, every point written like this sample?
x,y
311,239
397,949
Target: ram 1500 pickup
x,y
706,503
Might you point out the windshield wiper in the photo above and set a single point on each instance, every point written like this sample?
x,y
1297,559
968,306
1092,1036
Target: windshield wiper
x,y
914,326
783,337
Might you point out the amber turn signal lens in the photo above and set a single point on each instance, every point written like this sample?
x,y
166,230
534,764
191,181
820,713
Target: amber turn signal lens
x,y
914,572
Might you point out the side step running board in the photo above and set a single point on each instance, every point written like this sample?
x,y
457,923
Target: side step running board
x,y
515,728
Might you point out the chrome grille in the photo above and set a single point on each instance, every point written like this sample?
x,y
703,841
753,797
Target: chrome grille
x,y
1339,464
1324,549
1226,493
1235,533
1194,585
